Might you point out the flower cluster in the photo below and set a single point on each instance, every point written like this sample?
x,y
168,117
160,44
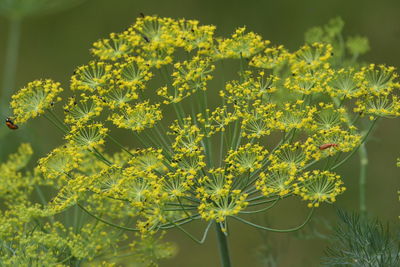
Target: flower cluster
x,y
34,99
31,234
197,152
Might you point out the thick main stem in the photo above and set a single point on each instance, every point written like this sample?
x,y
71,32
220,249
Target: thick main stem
x,y
223,247
10,64
363,178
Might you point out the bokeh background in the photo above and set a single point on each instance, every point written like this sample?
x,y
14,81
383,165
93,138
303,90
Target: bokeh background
x,y
53,44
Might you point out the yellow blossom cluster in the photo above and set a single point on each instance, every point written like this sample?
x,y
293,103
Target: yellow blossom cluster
x,y
202,145
35,99
32,235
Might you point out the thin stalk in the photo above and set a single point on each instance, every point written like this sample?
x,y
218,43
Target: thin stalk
x,y
223,246
276,230
172,224
235,131
66,259
119,145
266,200
363,178
55,123
58,120
222,137
42,198
221,148
162,138
178,114
10,63
142,140
107,222
201,241
41,195
184,205
183,208
261,210
241,68
76,211
179,209
101,157
154,140
208,145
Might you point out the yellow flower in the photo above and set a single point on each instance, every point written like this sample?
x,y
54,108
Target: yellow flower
x,y
319,186
91,77
117,46
271,58
241,45
377,80
59,162
137,117
87,136
247,158
34,99
81,111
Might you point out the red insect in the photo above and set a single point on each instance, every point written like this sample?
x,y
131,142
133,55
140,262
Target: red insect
x,y
10,124
326,146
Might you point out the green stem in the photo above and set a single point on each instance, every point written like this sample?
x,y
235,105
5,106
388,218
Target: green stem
x,y
178,114
76,213
101,156
223,247
261,210
107,222
221,148
42,198
208,144
119,145
179,222
55,123
192,236
277,230
363,178
59,121
41,195
10,63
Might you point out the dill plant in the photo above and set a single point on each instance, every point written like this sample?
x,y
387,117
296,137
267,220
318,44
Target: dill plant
x,y
279,129
360,241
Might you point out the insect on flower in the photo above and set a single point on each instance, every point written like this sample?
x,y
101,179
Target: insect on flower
x,y
326,146
146,39
10,124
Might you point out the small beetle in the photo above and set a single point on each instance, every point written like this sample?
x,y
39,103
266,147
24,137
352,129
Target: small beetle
x,y
326,146
10,124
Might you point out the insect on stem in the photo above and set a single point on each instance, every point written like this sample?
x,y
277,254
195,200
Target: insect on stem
x,y
326,146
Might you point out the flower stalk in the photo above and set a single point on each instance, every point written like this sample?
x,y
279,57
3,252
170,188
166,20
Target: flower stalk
x,y
10,64
223,246
363,179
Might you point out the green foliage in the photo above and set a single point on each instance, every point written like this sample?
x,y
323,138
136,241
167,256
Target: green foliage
x,y
328,33
363,242
357,45
332,33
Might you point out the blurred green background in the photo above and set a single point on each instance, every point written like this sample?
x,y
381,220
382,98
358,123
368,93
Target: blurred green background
x,y
52,45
